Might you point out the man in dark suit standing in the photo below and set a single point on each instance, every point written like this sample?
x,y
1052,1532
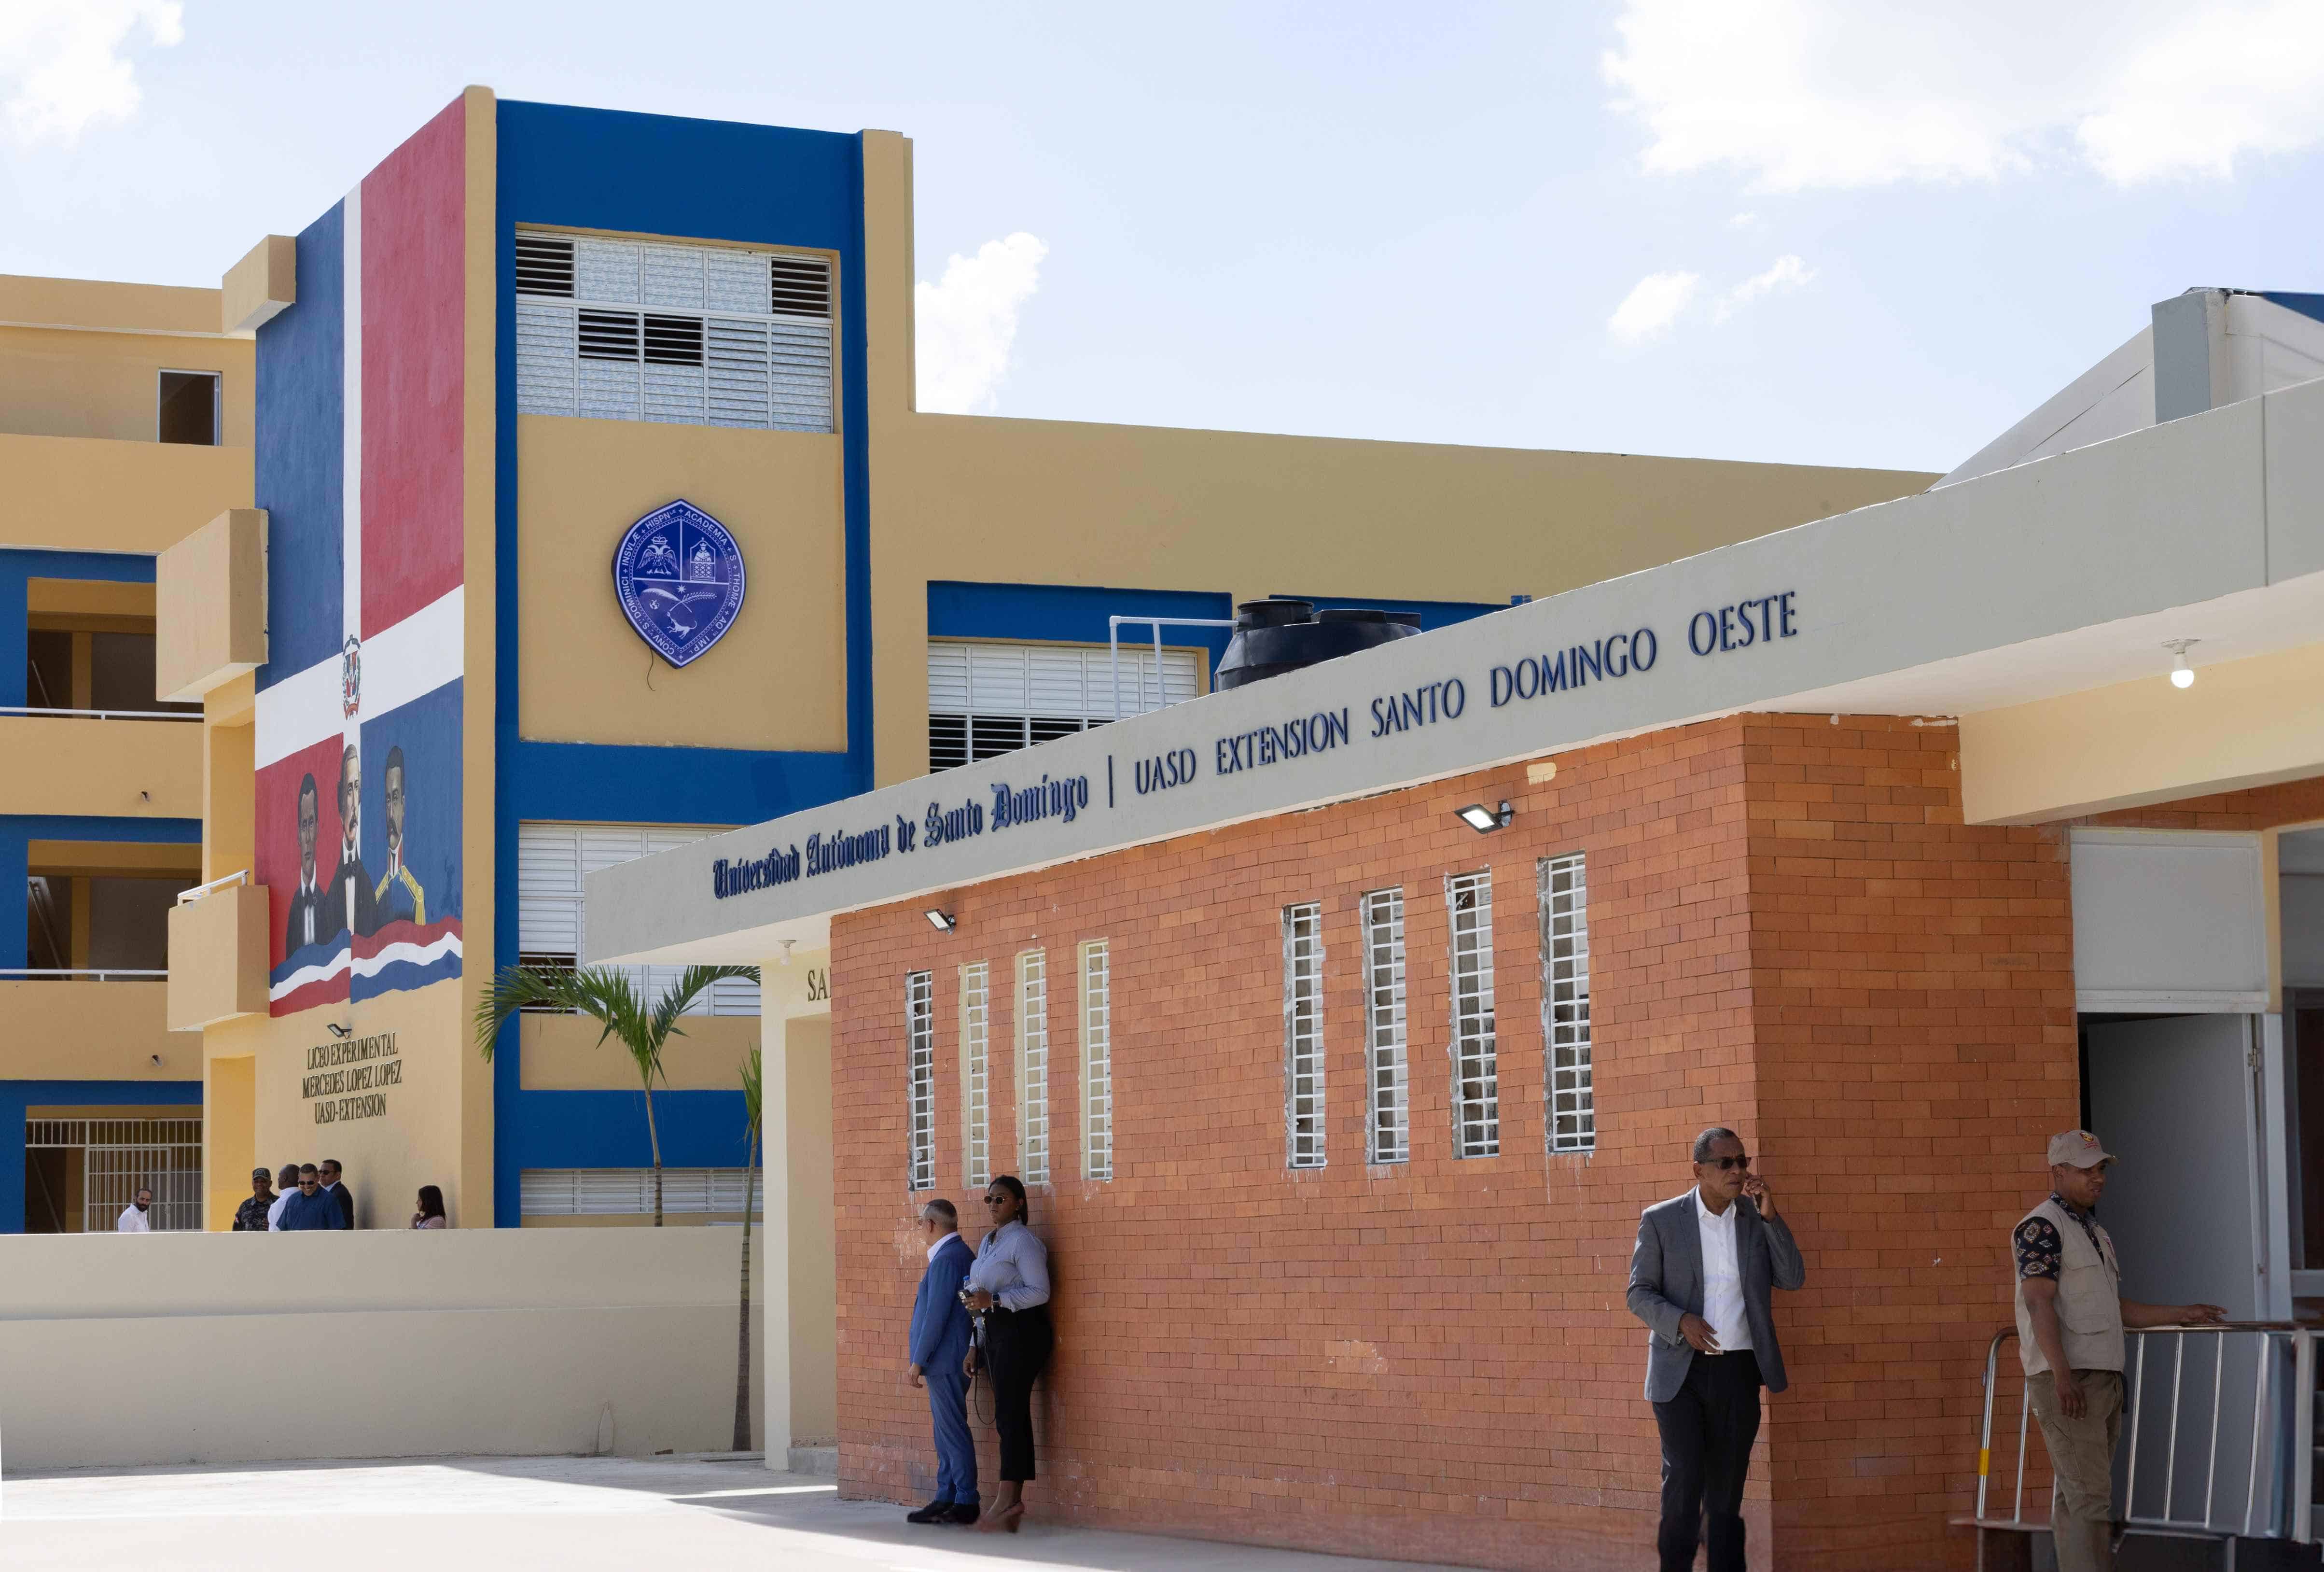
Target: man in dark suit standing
x,y
1700,1279
940,1339
337,1193
309,923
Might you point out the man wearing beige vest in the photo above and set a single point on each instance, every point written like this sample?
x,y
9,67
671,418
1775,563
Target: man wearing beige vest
x,y
2071,1316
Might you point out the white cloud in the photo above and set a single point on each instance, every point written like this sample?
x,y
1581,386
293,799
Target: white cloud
x,y
1800,93
62,66
1653,304
1746,221
1789,273
966,322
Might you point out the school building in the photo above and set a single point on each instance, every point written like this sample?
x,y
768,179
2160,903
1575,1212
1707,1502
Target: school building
x,y
1341,1023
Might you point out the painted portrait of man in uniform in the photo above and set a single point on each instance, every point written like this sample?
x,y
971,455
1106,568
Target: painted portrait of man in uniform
x,y
353,895
399,898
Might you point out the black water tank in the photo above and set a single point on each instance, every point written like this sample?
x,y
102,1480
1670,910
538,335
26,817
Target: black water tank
x,y
1280,634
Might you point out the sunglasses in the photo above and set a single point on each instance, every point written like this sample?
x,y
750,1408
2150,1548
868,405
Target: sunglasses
x,y
1725,1164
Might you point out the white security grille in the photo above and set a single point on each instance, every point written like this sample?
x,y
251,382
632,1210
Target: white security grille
x,y
1097,1060
988,699
976,1071
920,1037
1033,1067
121,1157
1389,1115
697,335
627,1192
1476,1065
1303,1033
1566,1003
552,859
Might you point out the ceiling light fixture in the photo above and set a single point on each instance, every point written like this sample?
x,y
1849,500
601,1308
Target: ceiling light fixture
x,y
942,921
1484,820
2182,675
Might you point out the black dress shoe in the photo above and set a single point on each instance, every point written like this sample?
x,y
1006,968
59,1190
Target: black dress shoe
x,y
963,1512
935,1511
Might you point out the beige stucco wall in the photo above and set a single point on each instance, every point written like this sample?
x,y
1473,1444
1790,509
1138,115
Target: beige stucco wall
x,y
777,680
813,1249
90,1031
246,1347
210,600
562,1053
82,358
84,493
121,769
2243,724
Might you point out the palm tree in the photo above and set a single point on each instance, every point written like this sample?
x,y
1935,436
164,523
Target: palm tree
x,y
604,995
750,1106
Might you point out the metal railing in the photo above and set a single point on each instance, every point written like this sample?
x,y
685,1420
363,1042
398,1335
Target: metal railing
x,y
188,896
38,709
1114,647
2279,1454
97,974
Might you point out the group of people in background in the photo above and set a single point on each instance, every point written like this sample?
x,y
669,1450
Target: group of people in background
x,y
313,1197
983,1310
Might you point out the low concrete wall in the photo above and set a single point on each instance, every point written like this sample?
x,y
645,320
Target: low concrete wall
x,y
125,1349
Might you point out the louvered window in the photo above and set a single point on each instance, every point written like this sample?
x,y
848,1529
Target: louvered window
x,y
552,860
920,1052
697,335
1033,1067
1476,1060
627,1192
1389,1115
1097,1060
976,1071
988,699
1566,1003
1303,1032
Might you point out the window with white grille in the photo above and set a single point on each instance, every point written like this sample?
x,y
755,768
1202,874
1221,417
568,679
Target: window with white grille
x,y
920,1043
1389,1111
1097,1060
988,699
1033,1067
1566,1003
627,1192
695,335
1303,1033
976,1071
1476,1064
116,1158
552,859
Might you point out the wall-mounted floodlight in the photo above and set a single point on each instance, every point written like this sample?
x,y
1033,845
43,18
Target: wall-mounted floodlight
x,y
1485,820
2182,675
942,921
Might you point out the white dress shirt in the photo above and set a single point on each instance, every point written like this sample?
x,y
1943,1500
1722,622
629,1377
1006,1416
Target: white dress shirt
x,y
942,1240
133,1221
274,1212
1722,1277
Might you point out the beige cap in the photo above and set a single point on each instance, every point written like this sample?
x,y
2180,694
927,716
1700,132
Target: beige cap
x,y
2078,1149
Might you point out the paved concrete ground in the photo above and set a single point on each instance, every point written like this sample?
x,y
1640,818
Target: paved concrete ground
x,y
573,1515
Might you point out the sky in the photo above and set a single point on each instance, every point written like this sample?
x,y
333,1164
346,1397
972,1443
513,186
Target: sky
x,y
1808,231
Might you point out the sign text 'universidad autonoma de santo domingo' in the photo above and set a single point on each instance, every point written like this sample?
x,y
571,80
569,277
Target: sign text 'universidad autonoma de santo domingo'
x,y
1613,657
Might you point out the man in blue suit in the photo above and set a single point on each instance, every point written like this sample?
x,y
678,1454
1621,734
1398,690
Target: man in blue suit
x,y
939,1351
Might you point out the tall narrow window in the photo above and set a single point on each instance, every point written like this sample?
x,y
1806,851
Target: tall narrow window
x,y
977,1072
1033,1067
1388,1114
1303,1032
920,1040
1476,1064
1097,1060
1566,1003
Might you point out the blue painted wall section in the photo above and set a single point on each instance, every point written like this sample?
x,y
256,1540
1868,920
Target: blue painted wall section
x,y
16,1096
1073,614
690,178
298,462
18,831
17,569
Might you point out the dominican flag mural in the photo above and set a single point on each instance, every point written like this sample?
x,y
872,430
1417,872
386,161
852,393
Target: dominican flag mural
x,y
360,464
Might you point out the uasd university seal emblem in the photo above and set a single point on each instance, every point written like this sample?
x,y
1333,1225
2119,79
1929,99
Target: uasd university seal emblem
x,y
678,575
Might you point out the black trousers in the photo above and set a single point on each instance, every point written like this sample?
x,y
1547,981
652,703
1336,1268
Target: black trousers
x,y
1016,1346
1707,1433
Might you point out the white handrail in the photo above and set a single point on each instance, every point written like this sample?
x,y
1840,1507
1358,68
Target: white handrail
x,y
102,974
34,709
1113,649
239,877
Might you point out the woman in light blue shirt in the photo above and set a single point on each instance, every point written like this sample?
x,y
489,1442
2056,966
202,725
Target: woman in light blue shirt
x,y
1008,1291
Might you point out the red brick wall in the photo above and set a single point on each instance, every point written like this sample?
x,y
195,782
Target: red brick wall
x,y
1791,933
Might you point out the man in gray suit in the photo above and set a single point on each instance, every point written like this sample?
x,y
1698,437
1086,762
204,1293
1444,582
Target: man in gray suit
x,y
1700,1279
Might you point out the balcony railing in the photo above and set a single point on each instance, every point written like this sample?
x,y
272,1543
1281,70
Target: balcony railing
x,y
84,973
45,712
